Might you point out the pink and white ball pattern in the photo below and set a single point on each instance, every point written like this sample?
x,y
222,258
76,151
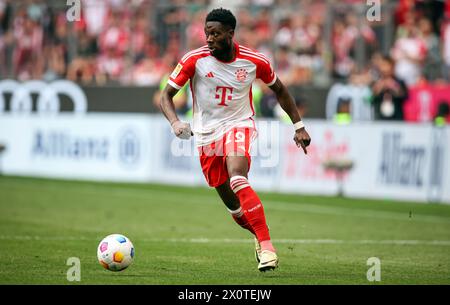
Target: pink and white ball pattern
x,y
115,252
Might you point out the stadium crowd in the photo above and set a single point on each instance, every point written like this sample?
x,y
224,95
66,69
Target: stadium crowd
x,y
310,43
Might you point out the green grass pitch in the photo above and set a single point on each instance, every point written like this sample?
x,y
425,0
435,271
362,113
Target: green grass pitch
x,y
185,236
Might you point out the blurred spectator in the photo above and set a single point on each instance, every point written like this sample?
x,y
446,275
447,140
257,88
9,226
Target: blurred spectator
x,y
83,70
263,27
147,73
305,58
195,32
432,62
443,114
407,25
374,66
116,37
95,13
5,36
110,65
246,33
404,7
170,24
343,113
446,47
357,92
86,45
283,36
55,66
113,45
5,15
283,65
346,31
28,39
139,36
298,53
409,53
361,93
389,93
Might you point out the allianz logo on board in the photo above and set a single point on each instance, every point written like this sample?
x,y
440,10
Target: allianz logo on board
x,y
402,163
57,144
47,96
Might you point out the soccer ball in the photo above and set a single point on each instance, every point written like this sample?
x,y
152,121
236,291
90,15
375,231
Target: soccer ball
x,y
115,252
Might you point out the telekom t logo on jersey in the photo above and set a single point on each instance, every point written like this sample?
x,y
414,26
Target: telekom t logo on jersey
x,y
224,94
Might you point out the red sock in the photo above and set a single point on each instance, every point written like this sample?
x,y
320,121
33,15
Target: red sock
x,y
252,206
241,219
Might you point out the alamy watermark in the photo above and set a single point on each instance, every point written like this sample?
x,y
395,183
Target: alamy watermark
x,y
374,272
74,272
265,148
374,10
74,11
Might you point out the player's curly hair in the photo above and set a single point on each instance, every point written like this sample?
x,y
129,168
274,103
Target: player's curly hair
x,y
223,16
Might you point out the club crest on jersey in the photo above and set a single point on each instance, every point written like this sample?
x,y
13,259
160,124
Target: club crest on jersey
x,y
241,75
176,71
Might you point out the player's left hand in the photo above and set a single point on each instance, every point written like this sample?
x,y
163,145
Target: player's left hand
x,y
302,139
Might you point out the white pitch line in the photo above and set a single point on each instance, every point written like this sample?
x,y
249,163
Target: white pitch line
x,y
303,207
409,242
307,241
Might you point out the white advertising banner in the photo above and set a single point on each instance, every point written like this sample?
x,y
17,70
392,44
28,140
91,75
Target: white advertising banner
x,y
389,160
443,178
403,160
305,173
95,146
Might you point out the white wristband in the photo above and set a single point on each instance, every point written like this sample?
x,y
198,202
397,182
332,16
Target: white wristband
x,y
298,125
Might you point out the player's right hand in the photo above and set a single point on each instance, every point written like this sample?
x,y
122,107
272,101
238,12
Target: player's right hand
x,y
302,139
182,130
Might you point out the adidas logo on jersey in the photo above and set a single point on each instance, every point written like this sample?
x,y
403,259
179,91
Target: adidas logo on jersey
x,y
210,74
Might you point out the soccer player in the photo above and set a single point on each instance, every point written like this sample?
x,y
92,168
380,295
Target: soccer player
x,y
221,74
